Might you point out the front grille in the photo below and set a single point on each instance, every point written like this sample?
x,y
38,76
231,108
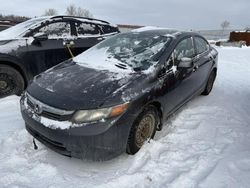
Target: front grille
x,y
56,116
45,110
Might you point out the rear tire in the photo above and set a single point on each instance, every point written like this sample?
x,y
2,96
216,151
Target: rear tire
x,y
210,83
143,128
11,81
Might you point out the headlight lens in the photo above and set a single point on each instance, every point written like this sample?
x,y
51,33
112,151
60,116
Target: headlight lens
x,y
84,116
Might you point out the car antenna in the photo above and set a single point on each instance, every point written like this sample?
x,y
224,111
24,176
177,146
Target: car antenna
x,y
35,146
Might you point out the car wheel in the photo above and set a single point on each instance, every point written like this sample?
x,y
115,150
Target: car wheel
x,y
11,81
143,128
210,83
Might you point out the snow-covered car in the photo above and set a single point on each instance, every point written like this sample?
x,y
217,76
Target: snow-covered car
x,y
113,97
38,44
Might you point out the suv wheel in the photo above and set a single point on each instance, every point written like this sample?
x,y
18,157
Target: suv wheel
x,y
144,128
11,81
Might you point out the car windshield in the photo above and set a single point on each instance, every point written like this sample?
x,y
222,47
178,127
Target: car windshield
x,y
19,29
136,50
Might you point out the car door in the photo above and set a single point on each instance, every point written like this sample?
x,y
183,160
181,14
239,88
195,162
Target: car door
x,y
203,59
46,53
88,35
182,83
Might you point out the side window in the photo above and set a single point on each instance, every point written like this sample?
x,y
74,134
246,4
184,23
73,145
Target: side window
x,y
201,45
56,29
108,29
185,48
85,29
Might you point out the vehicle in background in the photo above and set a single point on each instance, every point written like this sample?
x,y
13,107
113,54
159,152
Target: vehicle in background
x,y
113,97
38,44
5,24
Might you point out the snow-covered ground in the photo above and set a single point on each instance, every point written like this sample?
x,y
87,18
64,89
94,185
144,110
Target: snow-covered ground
x,y
206,144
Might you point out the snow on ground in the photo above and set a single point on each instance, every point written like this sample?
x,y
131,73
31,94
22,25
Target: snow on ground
x,y
206,144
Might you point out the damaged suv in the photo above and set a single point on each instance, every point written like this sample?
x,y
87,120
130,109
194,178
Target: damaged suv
x,y
113,97
38,44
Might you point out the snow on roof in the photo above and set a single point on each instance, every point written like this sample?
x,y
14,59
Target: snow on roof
x,y
150,28
147,28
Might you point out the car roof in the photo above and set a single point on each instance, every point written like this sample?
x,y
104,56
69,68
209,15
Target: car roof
x,y
83,19
164,31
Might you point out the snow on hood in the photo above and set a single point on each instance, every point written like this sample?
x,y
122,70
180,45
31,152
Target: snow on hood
x,y
98,59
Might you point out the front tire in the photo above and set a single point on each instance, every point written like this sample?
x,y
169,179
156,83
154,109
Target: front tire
x,y
11,81
210,83
143,128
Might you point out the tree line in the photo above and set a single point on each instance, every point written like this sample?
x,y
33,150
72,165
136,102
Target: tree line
x,y
71,10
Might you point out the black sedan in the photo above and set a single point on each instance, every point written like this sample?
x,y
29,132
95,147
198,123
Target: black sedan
x,y
115,96
38,44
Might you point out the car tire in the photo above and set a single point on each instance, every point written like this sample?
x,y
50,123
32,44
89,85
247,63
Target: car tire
x,y
143,128
11,81
210,83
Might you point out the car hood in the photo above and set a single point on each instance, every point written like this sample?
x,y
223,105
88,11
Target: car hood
x,y
70,86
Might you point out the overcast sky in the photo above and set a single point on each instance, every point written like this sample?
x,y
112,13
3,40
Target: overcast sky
x,y
180,14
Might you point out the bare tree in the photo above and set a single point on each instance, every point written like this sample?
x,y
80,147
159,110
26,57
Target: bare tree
x,y
50,12
84,13
225,24
72,10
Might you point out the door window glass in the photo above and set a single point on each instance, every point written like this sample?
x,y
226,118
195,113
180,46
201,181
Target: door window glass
x,y
184,49
56,30
85,29
201,45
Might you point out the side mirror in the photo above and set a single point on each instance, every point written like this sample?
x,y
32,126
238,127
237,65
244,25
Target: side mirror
x,y
186,63
40,36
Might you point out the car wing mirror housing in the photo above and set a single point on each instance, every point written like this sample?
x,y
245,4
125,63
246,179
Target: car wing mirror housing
x,y
38,38
41,36
186,63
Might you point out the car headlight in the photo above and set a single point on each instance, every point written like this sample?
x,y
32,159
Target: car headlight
x,y
84,116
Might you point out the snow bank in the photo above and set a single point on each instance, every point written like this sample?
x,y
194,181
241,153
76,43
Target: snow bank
x,y
206,144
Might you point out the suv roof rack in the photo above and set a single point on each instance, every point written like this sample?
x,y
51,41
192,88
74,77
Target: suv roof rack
x,y
86,18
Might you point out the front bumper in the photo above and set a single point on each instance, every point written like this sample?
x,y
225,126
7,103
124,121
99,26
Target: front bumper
x,y
96,141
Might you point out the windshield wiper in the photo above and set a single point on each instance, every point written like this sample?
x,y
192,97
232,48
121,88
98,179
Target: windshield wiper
x,y
121,65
